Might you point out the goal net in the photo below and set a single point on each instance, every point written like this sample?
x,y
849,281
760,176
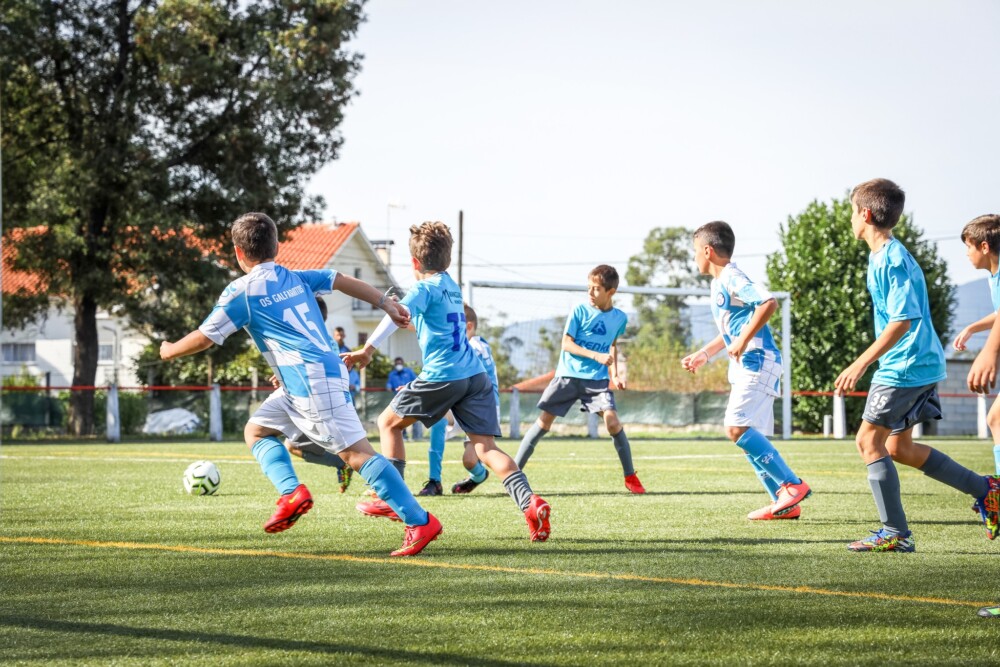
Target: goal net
x,y
524,324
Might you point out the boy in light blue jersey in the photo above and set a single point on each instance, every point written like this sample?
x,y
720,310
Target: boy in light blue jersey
x,y
452,377
589,350
278,308
904,389
741,310
982,245
438,433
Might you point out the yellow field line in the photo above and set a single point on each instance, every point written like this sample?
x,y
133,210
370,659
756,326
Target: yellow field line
x,y
676,581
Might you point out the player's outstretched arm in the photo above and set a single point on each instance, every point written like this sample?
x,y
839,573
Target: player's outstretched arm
x,y
983,374
963,336
893,331
193,343
359,289
699,358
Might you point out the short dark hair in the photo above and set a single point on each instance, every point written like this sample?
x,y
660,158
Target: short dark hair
x,y
883,198
719,235
400,359
340,330
606,275
322,308
430,244
984,229
470,316
256,235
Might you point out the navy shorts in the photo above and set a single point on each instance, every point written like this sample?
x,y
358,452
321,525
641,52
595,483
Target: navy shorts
x,y
471,400
562,393
900,408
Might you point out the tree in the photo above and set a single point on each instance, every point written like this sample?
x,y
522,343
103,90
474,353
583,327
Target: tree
x,y
656,345
502,347
824,268
135,131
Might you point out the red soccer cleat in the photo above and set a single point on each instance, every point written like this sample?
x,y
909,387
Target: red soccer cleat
x,y
291,506
767,514
790,495
537,515
418,537
633,484
377,508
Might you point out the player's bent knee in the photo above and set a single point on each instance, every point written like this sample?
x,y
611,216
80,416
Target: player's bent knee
x,y
734,433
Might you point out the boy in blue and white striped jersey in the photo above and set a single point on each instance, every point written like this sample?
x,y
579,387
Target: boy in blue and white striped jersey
x,y
741,310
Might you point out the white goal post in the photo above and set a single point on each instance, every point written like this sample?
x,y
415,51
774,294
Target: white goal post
x,y
786,325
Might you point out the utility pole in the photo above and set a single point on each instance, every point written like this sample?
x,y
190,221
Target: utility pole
x,y
461,240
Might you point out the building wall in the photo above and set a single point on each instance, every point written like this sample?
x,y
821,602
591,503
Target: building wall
x,y
53,338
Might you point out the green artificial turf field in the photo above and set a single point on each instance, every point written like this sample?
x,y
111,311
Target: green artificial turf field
x,y
104,559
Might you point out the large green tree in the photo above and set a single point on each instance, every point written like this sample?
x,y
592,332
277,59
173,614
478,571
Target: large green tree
x,y
824,268
655,347
134,131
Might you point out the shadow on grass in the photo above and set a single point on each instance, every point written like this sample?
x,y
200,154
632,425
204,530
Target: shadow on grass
x,y
244,641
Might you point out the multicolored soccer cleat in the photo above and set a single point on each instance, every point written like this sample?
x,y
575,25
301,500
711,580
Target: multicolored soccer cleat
x,y
633,484
988,507
537,515
790,495
767,514
291,506
989,612
432,487
883,540
378,508
418,537
468,484
344,476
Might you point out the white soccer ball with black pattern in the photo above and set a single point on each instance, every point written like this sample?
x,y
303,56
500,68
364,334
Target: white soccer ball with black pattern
x,y
202,478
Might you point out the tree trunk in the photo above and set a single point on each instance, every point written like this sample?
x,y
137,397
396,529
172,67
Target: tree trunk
x,y
81,403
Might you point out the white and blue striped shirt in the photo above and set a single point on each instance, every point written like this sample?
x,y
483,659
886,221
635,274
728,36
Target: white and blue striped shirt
x,y
734,299
278,308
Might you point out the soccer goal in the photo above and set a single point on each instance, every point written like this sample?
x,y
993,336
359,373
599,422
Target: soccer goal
x,y
525,321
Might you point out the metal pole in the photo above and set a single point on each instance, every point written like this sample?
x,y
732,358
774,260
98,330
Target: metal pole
x,y
786,357
461,240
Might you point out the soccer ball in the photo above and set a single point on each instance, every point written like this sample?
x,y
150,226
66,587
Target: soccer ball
x,y
201,478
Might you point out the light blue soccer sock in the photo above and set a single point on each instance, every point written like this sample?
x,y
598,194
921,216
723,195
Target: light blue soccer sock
x,y
944,469
478,473
276,463
387,483
769,484
756,444
884,480
996,457
435,453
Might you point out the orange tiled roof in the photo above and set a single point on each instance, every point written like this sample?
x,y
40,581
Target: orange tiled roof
x,y
18,281
312,246
308,246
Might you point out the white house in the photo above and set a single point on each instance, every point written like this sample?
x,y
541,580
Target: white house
x,y
46,348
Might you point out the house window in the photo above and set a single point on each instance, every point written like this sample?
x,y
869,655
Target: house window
x,y
357,273
105,352
18,353
362,338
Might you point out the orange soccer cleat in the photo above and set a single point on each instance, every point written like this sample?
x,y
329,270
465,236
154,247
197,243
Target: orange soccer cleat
x,y
418,537
291,506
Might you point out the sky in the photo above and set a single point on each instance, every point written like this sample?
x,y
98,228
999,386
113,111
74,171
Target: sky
x,y
565,131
